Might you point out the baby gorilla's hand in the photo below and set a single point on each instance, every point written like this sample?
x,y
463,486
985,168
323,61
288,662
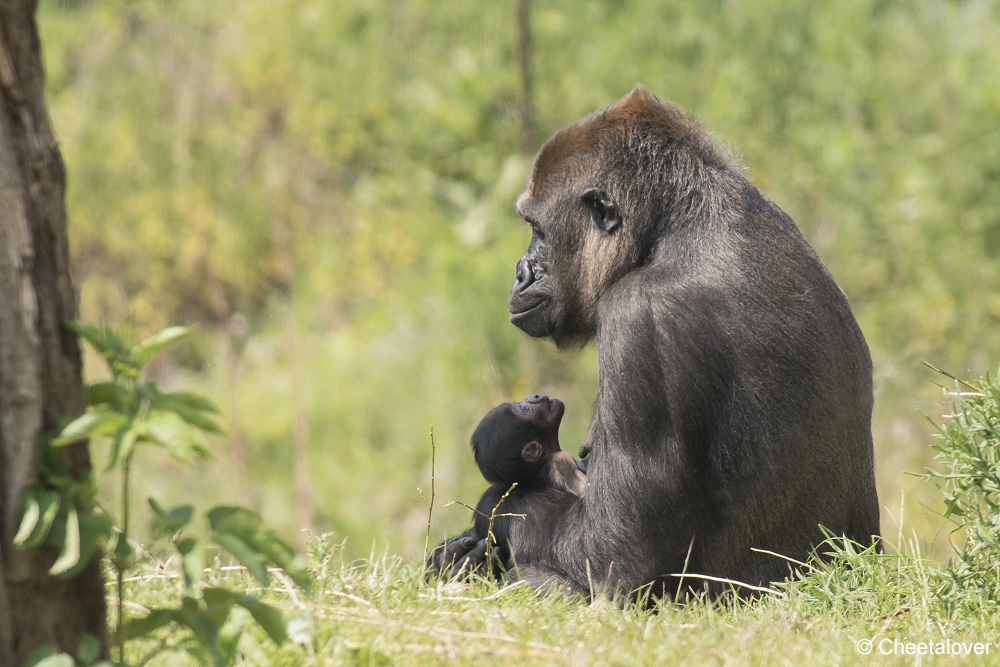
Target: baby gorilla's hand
x,y
458,558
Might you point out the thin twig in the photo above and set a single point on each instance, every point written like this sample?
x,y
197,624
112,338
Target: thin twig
x,y
680,582
430,506
953,377
350,597
722,580
505,590
482,514
777,555
490,537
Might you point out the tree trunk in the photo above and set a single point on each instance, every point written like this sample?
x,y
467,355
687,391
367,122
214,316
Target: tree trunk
x,y
300,426
522,19
40,365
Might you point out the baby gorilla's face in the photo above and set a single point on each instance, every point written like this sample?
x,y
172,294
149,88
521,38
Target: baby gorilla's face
x,y
543,413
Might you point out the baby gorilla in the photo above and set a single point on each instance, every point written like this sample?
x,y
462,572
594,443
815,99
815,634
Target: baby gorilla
x,y
519,443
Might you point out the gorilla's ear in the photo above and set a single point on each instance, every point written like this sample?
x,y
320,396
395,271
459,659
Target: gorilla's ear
x,y
532,451
602,207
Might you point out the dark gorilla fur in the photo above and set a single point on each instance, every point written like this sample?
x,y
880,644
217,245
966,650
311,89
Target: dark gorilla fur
x,y
735,389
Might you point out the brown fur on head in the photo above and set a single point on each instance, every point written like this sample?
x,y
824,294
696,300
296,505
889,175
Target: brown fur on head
x,y
611,127
591,201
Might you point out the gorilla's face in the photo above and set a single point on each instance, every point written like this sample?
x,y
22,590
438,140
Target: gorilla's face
x,y
575,252
534,299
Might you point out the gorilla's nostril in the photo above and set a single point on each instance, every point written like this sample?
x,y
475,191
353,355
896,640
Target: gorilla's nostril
x,y
524,275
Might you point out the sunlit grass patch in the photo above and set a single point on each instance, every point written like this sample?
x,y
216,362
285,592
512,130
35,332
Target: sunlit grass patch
x,y
380,610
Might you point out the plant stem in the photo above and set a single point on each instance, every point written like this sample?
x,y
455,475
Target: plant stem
x,y
121,564
430,506
491,539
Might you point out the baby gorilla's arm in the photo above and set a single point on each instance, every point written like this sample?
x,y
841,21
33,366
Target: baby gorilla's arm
x,y
564,474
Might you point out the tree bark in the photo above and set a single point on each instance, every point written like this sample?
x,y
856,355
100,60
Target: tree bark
x,y
40,365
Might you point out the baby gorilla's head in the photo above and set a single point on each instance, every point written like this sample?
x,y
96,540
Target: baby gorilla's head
x,y
515,440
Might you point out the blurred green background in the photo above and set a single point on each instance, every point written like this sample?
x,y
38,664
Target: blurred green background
x,y
327,188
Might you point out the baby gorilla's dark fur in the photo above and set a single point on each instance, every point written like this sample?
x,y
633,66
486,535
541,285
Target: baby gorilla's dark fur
x,y
518,443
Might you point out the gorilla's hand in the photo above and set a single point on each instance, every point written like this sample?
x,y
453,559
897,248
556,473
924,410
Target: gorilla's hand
x,y
458,557
584,462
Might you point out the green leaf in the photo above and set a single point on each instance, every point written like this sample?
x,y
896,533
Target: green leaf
x,y
39,654
233,518
29,515
92,422
244,553
104,339
192,560
147,391
284,556
135,628
205,630
218,602
123,553
200,653
104,393
121,446
168,522
49,656
195,419
187,400
173,434
202,624
250,529
95,529
50,459
164,338
266,616
90,649
228,641
70,554
48,505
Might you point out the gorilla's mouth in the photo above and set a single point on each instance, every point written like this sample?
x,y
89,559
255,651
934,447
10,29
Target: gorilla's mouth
x,y
524,312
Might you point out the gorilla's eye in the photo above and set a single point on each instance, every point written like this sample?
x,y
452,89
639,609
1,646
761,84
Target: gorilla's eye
x,y
535,229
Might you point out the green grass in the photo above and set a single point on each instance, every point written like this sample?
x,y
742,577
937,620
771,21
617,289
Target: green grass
x,y
380,611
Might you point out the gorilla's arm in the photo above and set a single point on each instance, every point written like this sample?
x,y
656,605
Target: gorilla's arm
x,y
635,523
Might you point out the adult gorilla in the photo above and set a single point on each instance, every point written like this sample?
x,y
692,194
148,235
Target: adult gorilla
x,y
734,404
